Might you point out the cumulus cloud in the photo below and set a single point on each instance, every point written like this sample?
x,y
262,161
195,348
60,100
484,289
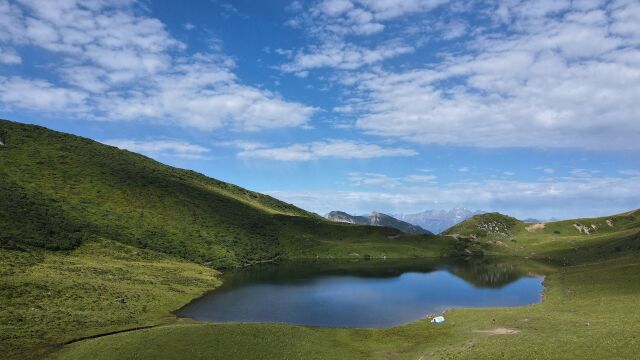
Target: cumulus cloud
x,y
343,56
161,148
389,9
339,149
330,22
114,63
206,95
561,198
107,34
360,17
561,76
40,94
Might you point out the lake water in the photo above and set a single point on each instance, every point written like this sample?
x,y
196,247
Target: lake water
x,y
364,293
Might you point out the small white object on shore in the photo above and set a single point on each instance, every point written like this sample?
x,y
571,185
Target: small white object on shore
x,y
438,319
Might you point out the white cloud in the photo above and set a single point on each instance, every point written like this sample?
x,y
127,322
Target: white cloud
x,y
332,21
40,94
161,148
464,169
335,7
330,18
562,198
9,56
558,77
376,180
453,30
12,28
206,95
120,65
343,56
389,9
104,33
340,149
359,17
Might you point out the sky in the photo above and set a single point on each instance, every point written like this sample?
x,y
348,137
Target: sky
x,y
530,108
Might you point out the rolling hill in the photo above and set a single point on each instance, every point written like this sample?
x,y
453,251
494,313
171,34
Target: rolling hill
x,y
59,190
96,240
575,240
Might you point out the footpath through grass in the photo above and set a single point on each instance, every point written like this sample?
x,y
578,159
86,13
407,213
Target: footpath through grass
x,y
588,313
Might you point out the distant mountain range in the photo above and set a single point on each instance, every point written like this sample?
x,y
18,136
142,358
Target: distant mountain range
x,y
438,221
428,221
376,219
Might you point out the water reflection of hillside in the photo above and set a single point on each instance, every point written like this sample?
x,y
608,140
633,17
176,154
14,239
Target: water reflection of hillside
x,y
485,272
488,273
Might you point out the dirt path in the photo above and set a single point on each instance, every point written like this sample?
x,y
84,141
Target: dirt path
x,y
535,227
499,331
110,333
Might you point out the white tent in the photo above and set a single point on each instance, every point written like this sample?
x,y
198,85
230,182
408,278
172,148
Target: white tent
x,y
438,319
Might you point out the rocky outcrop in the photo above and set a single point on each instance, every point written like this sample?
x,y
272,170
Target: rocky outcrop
x,y
585,229
340,216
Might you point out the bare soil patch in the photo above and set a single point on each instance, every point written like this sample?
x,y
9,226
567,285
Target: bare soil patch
x,y
499,331
535,227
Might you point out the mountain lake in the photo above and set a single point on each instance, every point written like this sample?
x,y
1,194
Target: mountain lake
x,y
364,294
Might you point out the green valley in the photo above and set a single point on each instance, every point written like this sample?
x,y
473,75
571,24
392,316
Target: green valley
x,y
99,241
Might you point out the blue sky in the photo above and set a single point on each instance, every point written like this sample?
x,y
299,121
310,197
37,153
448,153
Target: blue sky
x,y
525,107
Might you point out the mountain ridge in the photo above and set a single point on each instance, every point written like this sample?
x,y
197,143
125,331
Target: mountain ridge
x,y
376,219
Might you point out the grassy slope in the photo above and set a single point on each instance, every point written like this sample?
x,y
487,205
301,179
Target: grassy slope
x,y
49,297
587,313
58,190
66,194
560,240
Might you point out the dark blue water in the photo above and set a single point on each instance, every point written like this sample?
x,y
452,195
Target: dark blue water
x,y
366,294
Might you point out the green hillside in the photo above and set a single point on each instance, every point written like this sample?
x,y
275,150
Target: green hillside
x,y
59,190
568,241
485,225
95,240
84,224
